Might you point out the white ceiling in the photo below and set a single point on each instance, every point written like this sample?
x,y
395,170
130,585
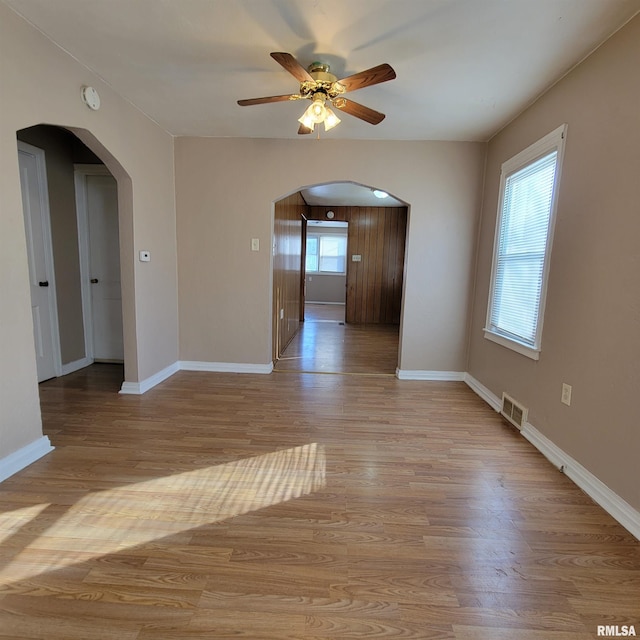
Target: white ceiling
x,y
465,67
347,194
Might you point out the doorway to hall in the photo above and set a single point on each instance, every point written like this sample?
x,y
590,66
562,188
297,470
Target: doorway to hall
x,y
325,271
357,330
78,201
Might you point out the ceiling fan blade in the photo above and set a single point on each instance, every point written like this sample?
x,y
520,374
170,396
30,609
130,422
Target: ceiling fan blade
x,y
304,130
246,103
292,66
359,111
375,75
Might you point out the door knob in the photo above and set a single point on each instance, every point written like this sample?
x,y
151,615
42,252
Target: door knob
x,y
44,283
94,280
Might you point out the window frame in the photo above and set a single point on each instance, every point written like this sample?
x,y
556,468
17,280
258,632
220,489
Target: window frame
x,y
553,141
316,237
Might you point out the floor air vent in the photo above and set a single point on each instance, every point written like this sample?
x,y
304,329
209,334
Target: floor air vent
x,y
515,413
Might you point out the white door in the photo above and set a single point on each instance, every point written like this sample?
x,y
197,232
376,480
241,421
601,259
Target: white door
x,y
35,203
104,267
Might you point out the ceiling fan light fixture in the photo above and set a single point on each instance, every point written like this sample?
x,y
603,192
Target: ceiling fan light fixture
x,y
319,85
307,120
317,108
316,112
331,120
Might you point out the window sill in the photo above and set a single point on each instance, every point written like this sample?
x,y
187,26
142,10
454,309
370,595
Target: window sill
x,y
518,347
326,273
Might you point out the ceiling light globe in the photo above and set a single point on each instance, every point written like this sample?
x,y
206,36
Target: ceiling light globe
x,y
331,120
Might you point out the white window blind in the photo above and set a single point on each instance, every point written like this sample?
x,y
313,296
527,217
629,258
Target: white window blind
x,y
522,245
522,248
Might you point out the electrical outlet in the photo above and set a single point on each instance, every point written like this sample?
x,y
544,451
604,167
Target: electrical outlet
x,y
566,394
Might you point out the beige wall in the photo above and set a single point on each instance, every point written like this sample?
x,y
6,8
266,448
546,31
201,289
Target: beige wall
x,y
322,287
224,193
591,337
41,84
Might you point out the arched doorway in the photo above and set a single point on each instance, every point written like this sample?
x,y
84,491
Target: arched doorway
x,y
64,149
372,277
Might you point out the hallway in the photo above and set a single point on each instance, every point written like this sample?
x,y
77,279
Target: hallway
x,y
325,344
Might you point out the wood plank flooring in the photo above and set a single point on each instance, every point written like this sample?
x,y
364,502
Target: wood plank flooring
x,y
300,506
318,312
325,344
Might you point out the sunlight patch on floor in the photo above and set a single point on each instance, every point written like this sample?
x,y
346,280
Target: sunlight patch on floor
x,y
134,514
12,521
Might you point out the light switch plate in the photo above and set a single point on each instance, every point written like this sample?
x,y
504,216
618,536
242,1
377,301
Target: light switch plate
x,y
255,244
566,394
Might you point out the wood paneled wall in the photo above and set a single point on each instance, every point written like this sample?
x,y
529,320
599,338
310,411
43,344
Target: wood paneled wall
x,y
287,270
374,285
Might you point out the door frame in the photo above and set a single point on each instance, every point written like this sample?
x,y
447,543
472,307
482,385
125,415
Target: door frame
x,y
303,274
303,266
52,299
80,174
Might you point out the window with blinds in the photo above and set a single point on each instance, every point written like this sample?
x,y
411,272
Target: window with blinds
x,y
526,212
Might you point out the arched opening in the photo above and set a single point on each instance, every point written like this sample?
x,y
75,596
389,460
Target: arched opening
x,y
87,198
337,304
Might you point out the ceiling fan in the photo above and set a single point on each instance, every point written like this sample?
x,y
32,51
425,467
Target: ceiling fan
x,y
321,87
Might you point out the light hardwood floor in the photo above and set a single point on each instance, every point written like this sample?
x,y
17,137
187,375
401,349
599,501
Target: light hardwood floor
x,y
304,507
318,312
325,344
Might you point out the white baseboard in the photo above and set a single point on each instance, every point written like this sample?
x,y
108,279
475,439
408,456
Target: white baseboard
x,y
22,458
610,501
411,374
76,365
225,367
488,396
138,388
